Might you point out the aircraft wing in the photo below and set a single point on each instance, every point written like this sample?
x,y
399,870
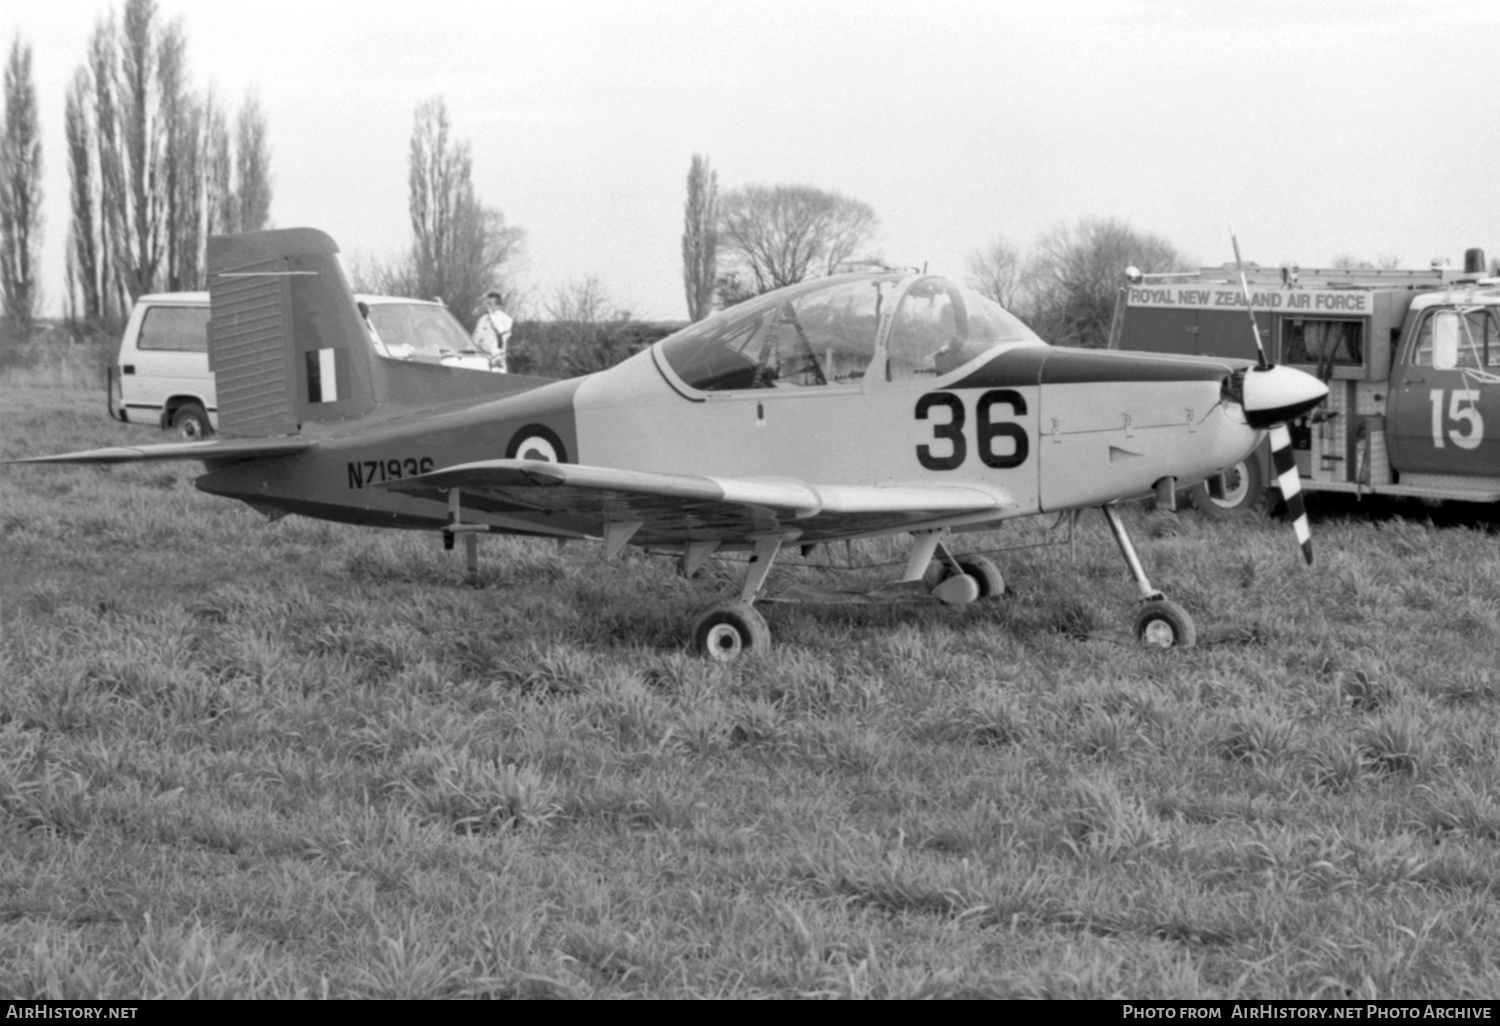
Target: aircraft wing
x,y
674,507
231,449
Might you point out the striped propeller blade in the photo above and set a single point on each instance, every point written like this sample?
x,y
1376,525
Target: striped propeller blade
x,y
1285,466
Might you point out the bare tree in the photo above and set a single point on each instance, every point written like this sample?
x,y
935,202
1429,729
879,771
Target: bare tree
x,y
1076,270
461,248
1349,262
20,192
588,330
252,166
584,302
996,271
383,278
783,234
700,238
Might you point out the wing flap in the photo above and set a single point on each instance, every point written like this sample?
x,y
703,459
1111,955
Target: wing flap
x,y
231,449
676,507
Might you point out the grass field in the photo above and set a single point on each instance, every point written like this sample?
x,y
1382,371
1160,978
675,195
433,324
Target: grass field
x,y
251,759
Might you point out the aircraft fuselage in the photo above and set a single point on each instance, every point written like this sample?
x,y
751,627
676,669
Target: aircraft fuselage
x,y
1052,428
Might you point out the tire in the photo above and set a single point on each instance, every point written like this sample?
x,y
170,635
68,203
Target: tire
x,y
731,632
1244,491
984,571
1164,624
991,581
190,422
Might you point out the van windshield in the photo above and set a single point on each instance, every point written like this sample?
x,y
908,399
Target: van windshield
x,y
425,329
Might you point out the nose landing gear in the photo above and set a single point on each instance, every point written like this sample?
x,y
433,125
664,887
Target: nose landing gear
x,y
1159,623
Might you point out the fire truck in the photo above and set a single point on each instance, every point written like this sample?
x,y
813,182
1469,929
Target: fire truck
x,y
1411,359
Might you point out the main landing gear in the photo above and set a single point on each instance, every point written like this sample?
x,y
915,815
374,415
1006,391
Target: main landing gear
x,y
1158,622
735,629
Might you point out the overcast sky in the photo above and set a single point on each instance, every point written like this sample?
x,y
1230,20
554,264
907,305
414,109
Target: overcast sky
x,y
1316,128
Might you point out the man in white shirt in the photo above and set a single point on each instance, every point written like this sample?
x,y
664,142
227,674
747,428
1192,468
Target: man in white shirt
x,y
492,333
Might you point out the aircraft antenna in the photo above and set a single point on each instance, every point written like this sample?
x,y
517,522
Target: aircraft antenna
x,y
1260,350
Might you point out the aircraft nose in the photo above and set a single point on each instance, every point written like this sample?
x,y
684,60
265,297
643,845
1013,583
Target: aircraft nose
x,y
1276,395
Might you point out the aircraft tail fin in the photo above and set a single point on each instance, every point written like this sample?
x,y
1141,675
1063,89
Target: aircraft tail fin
x,y
286,342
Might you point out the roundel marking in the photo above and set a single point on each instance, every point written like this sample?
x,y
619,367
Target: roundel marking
x,y
537,442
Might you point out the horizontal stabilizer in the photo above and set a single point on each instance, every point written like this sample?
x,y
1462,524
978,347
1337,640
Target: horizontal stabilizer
x,y
227,450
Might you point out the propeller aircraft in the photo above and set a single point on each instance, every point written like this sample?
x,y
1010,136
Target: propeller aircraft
x,y
844,407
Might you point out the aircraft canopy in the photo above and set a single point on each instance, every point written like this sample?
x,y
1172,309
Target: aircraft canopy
x,y
828,332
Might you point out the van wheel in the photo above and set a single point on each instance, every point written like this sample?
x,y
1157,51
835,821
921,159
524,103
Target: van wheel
x,y
1244,491
190,422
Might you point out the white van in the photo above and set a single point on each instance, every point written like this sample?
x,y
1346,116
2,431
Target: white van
x,y
161,375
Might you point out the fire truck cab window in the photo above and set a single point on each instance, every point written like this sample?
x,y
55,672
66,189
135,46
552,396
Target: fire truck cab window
x,y
1325,343
1478,339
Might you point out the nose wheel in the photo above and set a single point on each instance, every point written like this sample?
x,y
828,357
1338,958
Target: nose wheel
x,y
1159,623
1164,624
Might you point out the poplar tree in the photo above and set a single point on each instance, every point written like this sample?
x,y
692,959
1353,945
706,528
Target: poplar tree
x,y
460,247
252,167
20,192
152,168
700,238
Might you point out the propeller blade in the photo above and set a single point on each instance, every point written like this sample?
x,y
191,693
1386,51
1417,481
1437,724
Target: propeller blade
x,y
1285,468
1260,350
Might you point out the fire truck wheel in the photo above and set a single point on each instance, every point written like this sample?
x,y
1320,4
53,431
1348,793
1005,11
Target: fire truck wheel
x,y
1244,491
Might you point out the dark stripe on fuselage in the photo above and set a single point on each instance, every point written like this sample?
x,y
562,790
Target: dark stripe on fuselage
x,y
1046,365
658,361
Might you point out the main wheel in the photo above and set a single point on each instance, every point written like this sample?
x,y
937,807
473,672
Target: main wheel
x,y
190,421
1244,491
991,582
729,632
1164,624
985,573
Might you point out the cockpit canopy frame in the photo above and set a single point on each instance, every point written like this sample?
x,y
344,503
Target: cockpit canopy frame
x,y
852,331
